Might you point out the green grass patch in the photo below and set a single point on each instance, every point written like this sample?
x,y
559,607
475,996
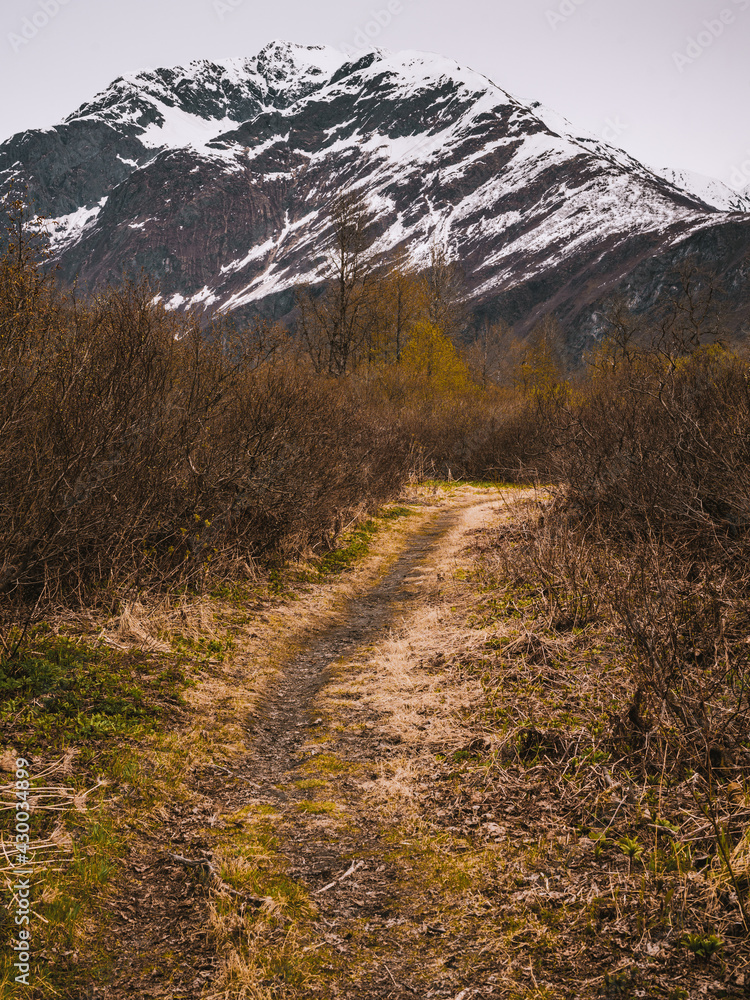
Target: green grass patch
x,y
59,691
202,650
317,808
440,861
355,544
394,513
329,764
480,484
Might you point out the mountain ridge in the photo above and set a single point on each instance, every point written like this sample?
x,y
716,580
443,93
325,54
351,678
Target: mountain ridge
x,y
217,179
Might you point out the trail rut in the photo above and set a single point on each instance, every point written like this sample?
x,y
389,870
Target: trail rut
x,y
282,723
325,749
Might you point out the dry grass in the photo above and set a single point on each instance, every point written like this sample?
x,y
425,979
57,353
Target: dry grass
x,y
184,618
647,847
231,650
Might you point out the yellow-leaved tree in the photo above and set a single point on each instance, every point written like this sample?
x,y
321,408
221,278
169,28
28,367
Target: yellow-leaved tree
x,y
432,362
541,376
399,302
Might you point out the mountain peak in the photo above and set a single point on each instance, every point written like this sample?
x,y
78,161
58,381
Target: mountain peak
x,y
217,178
233,88
281,59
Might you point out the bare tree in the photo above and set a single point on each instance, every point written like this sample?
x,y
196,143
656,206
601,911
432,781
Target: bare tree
x,y
335,323
399,301
693,313
446,293
495,354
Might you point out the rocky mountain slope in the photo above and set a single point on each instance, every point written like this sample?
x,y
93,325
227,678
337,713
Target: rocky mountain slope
x,y
217,178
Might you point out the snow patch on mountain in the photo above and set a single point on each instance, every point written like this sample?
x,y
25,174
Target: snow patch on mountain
x,y
708,189
297,66
68,229
178,129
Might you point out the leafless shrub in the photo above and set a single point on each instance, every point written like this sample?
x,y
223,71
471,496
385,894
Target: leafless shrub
x,y
139,448
649,528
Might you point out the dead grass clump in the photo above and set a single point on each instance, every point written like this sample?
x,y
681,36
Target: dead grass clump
x,y
533,648
132,630
156,626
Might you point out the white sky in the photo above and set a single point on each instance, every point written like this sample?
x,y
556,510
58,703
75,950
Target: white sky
x,y
607,65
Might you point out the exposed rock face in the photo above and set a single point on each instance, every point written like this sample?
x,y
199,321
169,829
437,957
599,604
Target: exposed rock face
x,y
216,179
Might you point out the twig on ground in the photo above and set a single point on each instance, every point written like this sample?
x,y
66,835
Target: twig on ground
x,y
355,866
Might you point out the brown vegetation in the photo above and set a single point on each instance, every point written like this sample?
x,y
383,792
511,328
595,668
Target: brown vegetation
x,y
651,523
626,690
143,447
138,447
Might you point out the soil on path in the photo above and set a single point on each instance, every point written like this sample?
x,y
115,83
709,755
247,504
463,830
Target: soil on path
x,y
320,724
280,732
334,747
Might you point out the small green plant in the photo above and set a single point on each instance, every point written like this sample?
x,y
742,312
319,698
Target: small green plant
x,y
354,546
674,858
703,946
619,984
600,843
631,849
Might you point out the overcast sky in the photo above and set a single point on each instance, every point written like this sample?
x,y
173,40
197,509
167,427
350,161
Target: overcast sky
x,y
669,80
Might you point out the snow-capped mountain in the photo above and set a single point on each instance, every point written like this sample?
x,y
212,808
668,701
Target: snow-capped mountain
x,y
708,189
217,179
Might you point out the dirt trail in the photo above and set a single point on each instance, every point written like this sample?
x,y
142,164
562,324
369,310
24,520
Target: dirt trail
x,y
281,729
334,751
326,721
